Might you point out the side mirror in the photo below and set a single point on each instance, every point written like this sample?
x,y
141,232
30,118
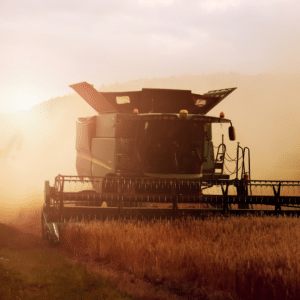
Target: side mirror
x,y
231,132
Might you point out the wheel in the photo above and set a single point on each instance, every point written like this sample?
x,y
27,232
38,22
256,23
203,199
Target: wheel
x,y
45,233
47,194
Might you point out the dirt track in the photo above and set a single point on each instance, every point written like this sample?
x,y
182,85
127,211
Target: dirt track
x,y
15,238
24,233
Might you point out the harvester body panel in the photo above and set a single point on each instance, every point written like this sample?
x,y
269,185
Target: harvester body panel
x,y
103,156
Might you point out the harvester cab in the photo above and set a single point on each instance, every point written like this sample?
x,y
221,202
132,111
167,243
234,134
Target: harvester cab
x,y
149,154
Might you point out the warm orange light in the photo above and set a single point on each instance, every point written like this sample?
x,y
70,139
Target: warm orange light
x,y
135,111
23,97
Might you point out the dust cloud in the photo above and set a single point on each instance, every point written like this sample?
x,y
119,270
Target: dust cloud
x,y
47,149
264,110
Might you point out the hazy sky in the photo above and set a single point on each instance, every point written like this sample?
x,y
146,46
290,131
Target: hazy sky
x,y
47,45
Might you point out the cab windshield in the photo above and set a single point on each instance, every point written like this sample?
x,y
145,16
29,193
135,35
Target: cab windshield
x,y
171,146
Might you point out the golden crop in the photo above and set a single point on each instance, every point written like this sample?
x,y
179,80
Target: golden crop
x,y
247,257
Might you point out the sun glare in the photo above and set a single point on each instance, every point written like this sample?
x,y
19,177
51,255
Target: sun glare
x,y
22,98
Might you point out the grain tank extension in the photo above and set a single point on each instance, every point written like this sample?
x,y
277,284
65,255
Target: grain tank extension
x,y
149,154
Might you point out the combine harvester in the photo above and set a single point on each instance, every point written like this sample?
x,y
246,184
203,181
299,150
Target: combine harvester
x,y
149,154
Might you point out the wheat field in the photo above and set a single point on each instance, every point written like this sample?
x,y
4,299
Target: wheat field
x,y
245,257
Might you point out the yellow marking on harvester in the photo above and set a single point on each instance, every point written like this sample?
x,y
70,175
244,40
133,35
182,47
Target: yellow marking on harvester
x,y
95,161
